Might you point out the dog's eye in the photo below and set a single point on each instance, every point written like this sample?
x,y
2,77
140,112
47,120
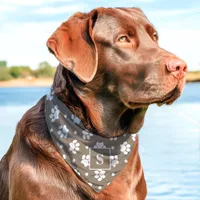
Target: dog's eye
x,y
123,39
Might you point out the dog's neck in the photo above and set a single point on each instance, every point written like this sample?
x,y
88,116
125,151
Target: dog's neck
x,y
99,114
104,112
100,111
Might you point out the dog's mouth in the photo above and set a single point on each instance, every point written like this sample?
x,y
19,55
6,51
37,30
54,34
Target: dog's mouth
x,y
168,99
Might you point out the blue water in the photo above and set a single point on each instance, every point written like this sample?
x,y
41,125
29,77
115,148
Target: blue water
x,y
169,140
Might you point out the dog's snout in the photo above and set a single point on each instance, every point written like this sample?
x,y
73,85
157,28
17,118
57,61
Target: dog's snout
x,y
177,67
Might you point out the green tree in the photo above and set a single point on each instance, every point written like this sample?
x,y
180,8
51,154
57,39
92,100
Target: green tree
x,y
3,63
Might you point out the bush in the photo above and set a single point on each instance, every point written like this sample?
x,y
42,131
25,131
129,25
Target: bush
x,y
15,71
45,70
20,71
4,74
26,71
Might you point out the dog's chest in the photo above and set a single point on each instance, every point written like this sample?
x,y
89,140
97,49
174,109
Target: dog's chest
x,y
116,194
120,190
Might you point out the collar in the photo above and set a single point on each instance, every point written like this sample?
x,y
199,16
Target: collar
x,y
96,159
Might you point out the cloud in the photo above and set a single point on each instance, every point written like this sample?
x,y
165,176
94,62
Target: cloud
x,y
175,12
31,2
7,8
183,43
25,43
177,19
22,2
59,10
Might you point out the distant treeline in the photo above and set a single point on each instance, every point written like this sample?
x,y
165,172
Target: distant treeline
x,y
13,72
44,69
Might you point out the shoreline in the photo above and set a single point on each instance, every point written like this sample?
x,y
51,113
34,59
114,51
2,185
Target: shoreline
x,y
47,82
33,82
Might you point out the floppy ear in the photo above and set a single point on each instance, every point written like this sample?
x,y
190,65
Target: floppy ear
x,y
73,45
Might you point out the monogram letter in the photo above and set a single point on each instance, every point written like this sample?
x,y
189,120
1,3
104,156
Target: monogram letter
x,y
99,159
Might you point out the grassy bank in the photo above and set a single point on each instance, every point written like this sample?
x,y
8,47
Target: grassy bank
x,y
193,76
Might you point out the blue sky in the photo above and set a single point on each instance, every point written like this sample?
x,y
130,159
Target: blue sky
x,y
25,26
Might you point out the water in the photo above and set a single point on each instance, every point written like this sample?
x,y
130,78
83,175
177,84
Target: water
x,y
169,140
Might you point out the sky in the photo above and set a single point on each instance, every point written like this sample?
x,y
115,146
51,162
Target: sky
x,y
25,26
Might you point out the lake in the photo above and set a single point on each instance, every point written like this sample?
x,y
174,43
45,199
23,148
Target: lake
x,y
169,140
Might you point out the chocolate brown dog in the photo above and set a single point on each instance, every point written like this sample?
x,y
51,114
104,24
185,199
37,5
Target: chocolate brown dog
x,y
111,69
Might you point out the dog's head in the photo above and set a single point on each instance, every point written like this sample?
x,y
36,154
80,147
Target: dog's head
x,y
119,67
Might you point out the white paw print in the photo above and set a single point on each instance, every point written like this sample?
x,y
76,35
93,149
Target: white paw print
x,y
133,137
125,148
99,174
49,97
113,138
86,135
74,146
114,160
63,131
75,119
85,160
54,114
99,145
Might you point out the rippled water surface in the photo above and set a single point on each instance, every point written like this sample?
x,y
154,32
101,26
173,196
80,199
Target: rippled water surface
x,y
169,140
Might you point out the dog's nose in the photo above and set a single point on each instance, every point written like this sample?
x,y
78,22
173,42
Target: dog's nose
x,y
177,67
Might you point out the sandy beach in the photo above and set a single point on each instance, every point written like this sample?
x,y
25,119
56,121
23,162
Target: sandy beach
x,y
34,82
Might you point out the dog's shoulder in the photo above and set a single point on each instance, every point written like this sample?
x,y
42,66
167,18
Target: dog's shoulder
x,y
34,119
32,132
30,127
35,165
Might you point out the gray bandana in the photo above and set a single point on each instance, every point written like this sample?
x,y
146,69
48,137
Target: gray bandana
x,y
96,159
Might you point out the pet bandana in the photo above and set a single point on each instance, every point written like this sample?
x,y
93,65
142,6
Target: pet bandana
x,y
96,159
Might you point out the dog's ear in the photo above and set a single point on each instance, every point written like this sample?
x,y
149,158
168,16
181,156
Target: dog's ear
x,y
73,45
